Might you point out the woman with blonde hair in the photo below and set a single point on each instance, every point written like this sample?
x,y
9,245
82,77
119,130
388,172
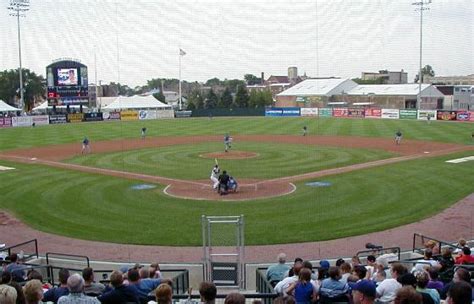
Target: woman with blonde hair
x,y
163,294
33,291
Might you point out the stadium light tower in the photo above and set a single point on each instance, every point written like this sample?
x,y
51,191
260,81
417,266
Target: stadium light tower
x,y
19,8
422,6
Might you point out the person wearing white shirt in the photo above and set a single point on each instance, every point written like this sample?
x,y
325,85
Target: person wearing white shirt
x,y
387,289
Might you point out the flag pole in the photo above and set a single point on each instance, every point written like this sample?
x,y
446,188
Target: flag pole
x,y
180,101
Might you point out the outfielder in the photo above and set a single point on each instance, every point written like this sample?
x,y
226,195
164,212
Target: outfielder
x,y
398,137
215,176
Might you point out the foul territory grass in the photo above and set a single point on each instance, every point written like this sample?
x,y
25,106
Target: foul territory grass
x,y
104,208
272,160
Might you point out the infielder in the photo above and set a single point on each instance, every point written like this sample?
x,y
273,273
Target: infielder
x,y
398,137
227,142
215,176
85,146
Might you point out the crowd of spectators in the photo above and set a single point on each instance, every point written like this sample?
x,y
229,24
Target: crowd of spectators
x,y
378,279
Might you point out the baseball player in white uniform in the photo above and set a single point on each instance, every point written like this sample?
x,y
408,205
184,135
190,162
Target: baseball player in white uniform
x,y
215,176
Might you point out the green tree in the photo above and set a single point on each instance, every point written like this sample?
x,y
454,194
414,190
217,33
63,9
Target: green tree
x,y
266,99
195,100
252,79
253,99
211,100
33,87
160,96
213,82
427,70
233,84
241,97
226,99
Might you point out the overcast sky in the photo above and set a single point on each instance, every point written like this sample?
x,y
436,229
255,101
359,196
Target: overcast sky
x,y
138,40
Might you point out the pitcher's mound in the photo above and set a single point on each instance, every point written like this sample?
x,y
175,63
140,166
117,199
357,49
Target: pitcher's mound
x,y
230,155
248,190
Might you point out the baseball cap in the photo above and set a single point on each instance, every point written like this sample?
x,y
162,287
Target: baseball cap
x,y
365,287
324,264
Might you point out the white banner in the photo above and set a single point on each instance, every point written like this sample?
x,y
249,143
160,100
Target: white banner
x,y
165,114
390,113
424,114
147,114
40,120
309,112
22,121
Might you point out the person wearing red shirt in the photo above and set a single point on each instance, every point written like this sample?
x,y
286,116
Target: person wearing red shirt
x,y
465,256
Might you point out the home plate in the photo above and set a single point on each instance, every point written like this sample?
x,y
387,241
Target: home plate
x,y
2,168
33,158
426,152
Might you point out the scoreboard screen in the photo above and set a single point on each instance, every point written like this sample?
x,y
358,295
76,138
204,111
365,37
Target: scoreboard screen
x,y
67,83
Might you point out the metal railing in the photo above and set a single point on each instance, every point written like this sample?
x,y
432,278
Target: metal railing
x,y
423,239
379,251
264,286
22,248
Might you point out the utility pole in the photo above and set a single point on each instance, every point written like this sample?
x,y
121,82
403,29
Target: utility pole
x,y
422,6
19,8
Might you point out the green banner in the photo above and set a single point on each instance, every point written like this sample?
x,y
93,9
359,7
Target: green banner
x,y
407,114
325,112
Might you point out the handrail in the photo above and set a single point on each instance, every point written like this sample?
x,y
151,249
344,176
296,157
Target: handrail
x,y
9,249
439,242
64,255
263,285
380,250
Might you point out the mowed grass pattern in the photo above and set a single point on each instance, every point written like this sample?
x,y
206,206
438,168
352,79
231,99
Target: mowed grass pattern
x,y
105,208
273,160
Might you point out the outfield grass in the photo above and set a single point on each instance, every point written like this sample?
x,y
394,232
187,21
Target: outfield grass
x,y
105,208
273,160
453,132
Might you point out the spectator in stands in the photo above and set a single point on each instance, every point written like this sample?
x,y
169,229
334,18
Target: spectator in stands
x,y
120,294
144,273
55,293
407,295
91,288
460,293
385,259
143,286
16,269
283,285
234,298
422,280
33,291
35,275
446,261
355,261
380,276
314,277
303,290
7,279
364,292
388,288
427,262
155,272
75,284
163,294
284,300
332,289
434,282
339,262
433,246
298,263
323,270
276,272
8,294
408,279
370,267
346,270
460,275
208,292
461,244
465,257
359,272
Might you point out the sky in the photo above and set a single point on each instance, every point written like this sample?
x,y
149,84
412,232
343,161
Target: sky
x,y
130,41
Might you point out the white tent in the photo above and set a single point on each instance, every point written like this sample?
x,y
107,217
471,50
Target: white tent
x,y
136,102
4,107
44,106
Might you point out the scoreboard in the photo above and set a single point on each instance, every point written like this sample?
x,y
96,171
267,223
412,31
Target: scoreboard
x,y
67,83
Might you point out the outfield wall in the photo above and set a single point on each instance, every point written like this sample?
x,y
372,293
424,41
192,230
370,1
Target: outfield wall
x,y
372,113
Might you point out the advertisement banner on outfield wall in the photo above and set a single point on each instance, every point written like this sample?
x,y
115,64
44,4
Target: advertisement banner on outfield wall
x,y
340,112
355,113
111,116
129,115
446,115
390,113
75,117
93,117
5,122
373,113
40,120
325,112
282,112
309,111
147,114
408,114
57,119
424,114
165,114
22,121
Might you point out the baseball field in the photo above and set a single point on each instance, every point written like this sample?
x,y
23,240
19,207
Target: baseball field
x,y
346,177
